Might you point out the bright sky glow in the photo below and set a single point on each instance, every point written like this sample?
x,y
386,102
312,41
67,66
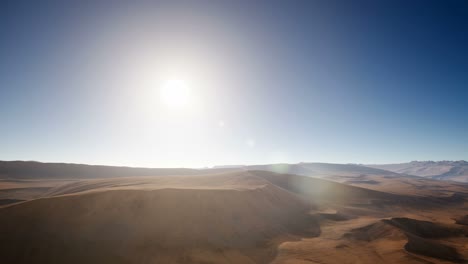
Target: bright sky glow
x,y
202,83
175,93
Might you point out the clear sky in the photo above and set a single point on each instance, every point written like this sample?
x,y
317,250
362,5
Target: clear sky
x,y
255,81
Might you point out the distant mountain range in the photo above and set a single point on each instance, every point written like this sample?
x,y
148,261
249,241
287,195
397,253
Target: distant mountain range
x,y
38,170
441,170
41,170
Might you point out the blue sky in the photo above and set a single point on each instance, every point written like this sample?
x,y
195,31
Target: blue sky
x,y
270,81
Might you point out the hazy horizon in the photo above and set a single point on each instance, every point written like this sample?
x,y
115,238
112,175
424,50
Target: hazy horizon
x,y
205,83
232,165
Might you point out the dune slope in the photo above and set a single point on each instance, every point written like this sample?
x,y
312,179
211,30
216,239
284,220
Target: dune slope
x,y
175,225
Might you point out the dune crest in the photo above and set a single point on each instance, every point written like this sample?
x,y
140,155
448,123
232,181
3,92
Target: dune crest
x,y
171,224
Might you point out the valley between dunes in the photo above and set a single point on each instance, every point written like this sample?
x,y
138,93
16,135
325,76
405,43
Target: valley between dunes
x,y
235,216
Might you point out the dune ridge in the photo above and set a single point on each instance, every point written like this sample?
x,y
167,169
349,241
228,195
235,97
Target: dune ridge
x,y
123,224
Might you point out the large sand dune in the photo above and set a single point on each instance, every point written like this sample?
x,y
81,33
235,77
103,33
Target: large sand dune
x,y
220,218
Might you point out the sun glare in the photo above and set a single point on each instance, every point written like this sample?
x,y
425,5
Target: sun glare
x,y
175,93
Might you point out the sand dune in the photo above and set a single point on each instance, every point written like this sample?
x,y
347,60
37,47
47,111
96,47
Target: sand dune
x,y
370,178
233,217
420,236
374,240
39,170
12,191
426,229
462,220
237,223
442,170
322,170
432,248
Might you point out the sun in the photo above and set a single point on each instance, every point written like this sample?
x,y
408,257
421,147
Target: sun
x,y
175,93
